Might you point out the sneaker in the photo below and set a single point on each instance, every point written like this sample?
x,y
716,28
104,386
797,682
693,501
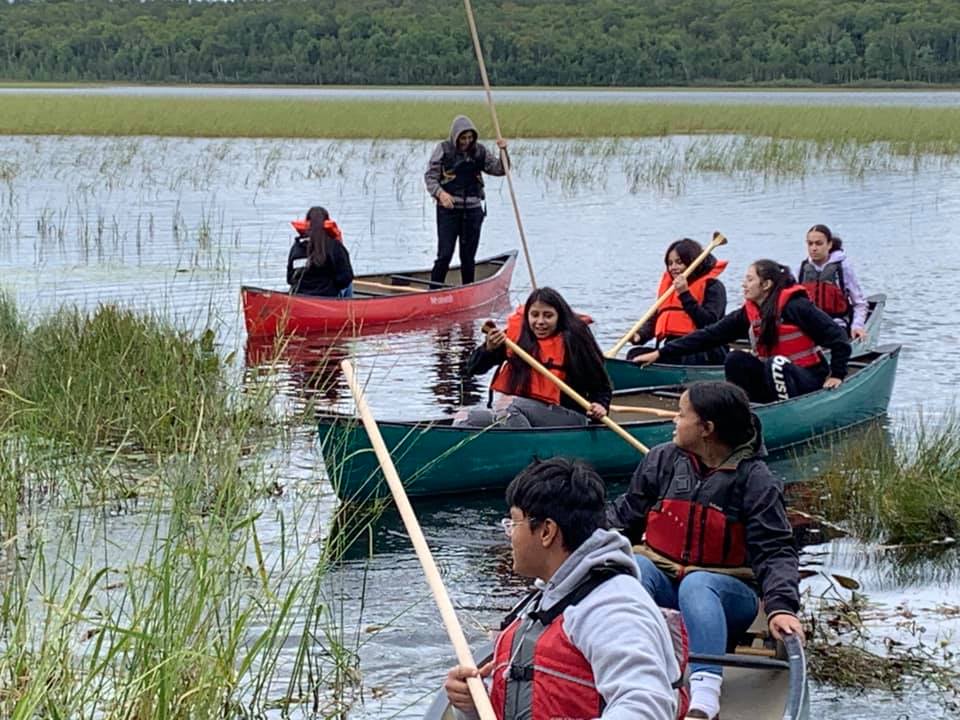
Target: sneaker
x,y
698,714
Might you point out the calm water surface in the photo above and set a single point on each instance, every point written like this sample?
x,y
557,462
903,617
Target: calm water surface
x,y
176,226
896,98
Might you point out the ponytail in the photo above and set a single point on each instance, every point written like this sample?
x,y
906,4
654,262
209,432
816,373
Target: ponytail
x,y
782,278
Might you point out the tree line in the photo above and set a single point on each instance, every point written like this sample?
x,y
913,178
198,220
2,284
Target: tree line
x,y
527,42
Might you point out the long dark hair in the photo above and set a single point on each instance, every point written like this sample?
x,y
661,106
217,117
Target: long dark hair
x,y
727,406
688,250
781,277
320,240
835,242
583,359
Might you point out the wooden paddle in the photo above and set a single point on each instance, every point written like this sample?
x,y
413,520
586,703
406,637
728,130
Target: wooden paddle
x,y
489,327
384,286
649,410
496,127
718,240
464,657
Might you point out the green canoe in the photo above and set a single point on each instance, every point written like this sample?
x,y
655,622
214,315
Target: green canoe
x,y
626,374
435,458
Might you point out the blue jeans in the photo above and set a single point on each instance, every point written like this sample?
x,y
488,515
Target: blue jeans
x,y
714,607
347,292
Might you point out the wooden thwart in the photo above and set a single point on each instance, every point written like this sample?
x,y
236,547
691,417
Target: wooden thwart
x,y
394,288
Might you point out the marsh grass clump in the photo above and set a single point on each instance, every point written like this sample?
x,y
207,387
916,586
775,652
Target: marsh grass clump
x,y
117,379
903,492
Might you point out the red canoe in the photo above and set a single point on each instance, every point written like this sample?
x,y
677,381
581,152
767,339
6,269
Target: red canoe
x,y
379,300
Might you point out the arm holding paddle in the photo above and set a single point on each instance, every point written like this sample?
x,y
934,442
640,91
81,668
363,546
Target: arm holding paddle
x,y
566,389
718,240
724,331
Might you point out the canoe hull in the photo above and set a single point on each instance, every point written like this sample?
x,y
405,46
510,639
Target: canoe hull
x,y
273,312
436,459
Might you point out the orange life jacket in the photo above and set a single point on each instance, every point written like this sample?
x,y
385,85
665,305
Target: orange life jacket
x,y
672,319
550,352
792,342
303,228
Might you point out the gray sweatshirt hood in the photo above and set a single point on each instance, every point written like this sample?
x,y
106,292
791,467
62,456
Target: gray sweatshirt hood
x,y
604,547
460,125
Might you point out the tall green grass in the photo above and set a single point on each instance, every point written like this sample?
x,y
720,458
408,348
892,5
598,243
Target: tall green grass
x,y
168,603
908,130
902,492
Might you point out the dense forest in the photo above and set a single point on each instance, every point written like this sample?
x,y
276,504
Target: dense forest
x,y
527,42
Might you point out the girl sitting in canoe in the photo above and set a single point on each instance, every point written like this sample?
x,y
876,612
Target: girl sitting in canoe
x,y
786,331
828,276
318,263
714,531
547,328
697,301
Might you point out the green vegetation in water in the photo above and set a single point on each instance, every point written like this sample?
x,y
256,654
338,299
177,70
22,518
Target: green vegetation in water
x,y
903,493
138,579
910,131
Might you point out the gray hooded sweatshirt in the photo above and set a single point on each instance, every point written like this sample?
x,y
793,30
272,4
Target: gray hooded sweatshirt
x,y
619,630
434,174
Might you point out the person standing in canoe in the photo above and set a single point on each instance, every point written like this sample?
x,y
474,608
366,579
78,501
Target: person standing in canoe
x,y
588,642
548,329
454,179
786,331
318,263
828,276
696,302
709,524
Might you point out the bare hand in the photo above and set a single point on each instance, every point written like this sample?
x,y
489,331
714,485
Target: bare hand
x,y
858,333
831,382
445,199
596,411
680,284
495,338
458,692
647,358
785,624
502,143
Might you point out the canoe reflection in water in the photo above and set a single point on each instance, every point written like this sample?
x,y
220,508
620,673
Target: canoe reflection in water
x,y
306,368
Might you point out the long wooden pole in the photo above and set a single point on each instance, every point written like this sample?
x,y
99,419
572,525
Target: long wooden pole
x,y
496,128
464,657
718,240
489,327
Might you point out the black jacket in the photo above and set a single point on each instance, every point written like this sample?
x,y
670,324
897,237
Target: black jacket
x,y
326,280
702,314
799,311
745,490
596,389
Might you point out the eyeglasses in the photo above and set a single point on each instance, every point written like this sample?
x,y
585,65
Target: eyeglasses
x,y
509,523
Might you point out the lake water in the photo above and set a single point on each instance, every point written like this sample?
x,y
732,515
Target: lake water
x,y
898,98
175,226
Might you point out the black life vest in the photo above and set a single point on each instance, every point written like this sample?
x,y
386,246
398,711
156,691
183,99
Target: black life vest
x,y
461,174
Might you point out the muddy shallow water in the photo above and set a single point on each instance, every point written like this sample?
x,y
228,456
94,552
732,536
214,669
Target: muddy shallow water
x,y
176,226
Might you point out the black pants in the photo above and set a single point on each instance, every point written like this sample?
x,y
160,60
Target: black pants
x,y
462,223
772,379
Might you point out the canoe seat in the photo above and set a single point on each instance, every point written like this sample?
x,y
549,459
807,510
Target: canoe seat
x,y
757,640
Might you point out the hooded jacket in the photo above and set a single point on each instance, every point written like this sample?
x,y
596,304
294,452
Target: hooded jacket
x,y
850,283
446,160
743,489
618,630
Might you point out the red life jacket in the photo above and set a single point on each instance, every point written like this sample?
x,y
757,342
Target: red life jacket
x,y
672,319
550,352
826,287
694,523
792,342
562,679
